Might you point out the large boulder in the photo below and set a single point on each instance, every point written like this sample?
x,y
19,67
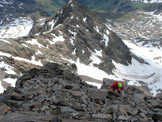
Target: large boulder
x,y
107,83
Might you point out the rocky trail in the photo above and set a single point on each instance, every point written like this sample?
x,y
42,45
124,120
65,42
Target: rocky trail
x,y
55,93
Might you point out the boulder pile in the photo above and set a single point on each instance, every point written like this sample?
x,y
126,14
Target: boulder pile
x,y
56,94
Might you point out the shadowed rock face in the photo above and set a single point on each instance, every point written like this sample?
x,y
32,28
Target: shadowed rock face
x,y
54,93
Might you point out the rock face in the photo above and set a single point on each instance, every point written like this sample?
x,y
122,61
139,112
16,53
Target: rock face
x,y
55,94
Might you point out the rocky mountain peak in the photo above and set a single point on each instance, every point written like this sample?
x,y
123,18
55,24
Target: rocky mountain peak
x,y
74,35
75,2
86,33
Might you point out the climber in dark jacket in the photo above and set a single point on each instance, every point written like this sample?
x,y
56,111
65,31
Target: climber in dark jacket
x,y
118,85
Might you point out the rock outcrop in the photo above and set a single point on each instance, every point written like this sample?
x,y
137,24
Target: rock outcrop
x,y
56,94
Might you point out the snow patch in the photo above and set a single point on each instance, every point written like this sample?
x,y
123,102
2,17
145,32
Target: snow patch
x,y
9,69
97,29
84,19
34,42
2,40
98,85
22,59
74,52
149,73
57,39
38,52
18,28
106,39
98,53
11,81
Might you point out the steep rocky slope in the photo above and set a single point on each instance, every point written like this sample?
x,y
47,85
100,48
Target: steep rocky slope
x,y
55,94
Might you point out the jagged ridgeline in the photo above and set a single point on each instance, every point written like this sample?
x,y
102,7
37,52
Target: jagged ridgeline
x,y
79,33
55,94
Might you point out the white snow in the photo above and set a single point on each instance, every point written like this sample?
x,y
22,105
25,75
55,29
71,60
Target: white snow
x,y
73,33
9,69
18,28
94,84
83,51
38,52
150,74
106,39
72,41
84,19
98,53
34,42
5,54
95,59
25,45
57,39
156,16
72,17
33,61
11,81
72,37
52,24
74,52
70,1
97,29
2,40
91,71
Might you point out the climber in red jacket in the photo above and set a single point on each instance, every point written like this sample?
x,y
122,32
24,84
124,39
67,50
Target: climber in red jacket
x,y
117,86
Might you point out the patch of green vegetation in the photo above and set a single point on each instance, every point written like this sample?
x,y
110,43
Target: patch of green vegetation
x,y
139,5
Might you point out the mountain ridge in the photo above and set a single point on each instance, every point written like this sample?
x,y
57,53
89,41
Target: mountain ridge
x,y
56,93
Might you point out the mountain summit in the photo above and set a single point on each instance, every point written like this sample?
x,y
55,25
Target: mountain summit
x,y
86,33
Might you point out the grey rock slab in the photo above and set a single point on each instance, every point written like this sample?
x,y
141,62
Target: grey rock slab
x,y
102,116
99,94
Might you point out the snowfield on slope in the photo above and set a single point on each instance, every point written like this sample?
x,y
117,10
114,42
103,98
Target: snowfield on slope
x,y
18,28
150,73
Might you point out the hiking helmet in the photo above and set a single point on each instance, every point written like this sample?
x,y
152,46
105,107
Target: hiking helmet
x,y
120,85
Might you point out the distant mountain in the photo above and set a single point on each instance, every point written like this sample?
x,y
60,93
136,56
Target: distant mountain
x,y
107,8
12,9
148,1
